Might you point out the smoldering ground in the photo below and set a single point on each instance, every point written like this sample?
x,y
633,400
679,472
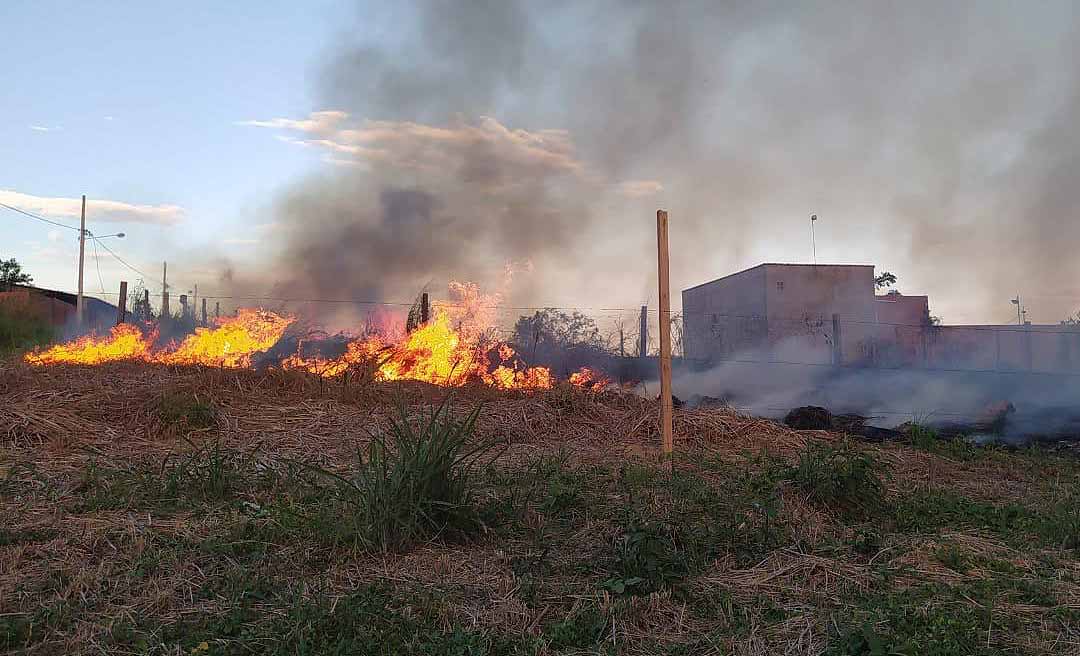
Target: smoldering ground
x,y
933,139
1043,403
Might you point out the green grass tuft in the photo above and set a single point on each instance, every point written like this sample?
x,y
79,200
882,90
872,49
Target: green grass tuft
x,y
840,477
417,482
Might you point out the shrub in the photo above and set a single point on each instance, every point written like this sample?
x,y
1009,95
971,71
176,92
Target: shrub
x,y
416,482
21,328
840,477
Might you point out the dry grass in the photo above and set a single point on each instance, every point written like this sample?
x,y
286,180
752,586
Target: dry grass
x,y
152,565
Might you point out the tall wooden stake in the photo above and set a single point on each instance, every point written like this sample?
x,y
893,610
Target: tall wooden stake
x,y
425,308
79,311
204,310
643,332
665,335
121,306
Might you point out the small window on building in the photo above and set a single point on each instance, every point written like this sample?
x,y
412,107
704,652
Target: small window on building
x,y
779,285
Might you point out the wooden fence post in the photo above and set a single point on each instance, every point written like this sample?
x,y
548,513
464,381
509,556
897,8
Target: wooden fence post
x,y
643,332
121,305
665,336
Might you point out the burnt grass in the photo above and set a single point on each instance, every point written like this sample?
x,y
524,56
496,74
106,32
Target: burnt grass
x,y
188,533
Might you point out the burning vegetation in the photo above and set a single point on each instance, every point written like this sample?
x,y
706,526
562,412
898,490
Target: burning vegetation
x,y
456,346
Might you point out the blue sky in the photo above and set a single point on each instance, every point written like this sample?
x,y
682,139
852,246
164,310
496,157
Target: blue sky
x,y
139,103
934,140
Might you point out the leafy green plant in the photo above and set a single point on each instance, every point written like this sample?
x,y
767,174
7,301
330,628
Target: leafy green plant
x,y
647,557
417,481
840,477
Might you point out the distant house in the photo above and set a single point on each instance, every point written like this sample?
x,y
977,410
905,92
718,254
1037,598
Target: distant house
x,y
786,312
58,308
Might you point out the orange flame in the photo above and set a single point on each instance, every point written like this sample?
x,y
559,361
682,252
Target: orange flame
x,y
232,343
456,346
125,342
589,379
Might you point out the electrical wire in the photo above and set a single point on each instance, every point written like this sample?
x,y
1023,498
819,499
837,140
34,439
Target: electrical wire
x,y
97,264
38,218
120,259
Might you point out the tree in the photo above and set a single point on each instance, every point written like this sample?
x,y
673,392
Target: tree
x,y
886,279
11,273
552,328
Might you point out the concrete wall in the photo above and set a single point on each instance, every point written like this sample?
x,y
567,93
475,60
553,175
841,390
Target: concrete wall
x,y
1047,348
800,302
783,313
724,317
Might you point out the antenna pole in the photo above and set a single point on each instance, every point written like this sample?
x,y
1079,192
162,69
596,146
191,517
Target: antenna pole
x,y
813,241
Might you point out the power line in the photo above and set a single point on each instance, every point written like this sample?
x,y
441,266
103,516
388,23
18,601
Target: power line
x,y
120,259
97,264
38,218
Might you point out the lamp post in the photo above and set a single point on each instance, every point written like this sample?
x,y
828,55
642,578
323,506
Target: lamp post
x,y
83,234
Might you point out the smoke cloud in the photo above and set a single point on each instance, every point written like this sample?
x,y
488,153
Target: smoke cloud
x,y
934,139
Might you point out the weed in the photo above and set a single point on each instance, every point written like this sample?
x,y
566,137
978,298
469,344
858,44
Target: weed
x,y
840,477
584,628
924,511
866,541
952,556
10,536
416,483
22,327
186,411
208,472
932,620
563,486
647,557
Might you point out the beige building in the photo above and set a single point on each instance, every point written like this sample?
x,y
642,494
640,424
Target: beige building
x,y
827,313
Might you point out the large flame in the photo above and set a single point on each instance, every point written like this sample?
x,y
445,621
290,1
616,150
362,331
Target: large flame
x,y
456,346
124,342
233,342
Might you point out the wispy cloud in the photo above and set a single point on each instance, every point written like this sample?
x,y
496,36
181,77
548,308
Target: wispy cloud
x,y
640,188
410,145
45,128
99,209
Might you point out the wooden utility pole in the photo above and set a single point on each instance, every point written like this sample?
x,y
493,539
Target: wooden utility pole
x,y
643,332
164,289
147,314
667,438
425,309
121,306
204,310
79,310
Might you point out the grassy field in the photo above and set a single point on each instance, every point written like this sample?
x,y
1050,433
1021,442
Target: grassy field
x,y
147,510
